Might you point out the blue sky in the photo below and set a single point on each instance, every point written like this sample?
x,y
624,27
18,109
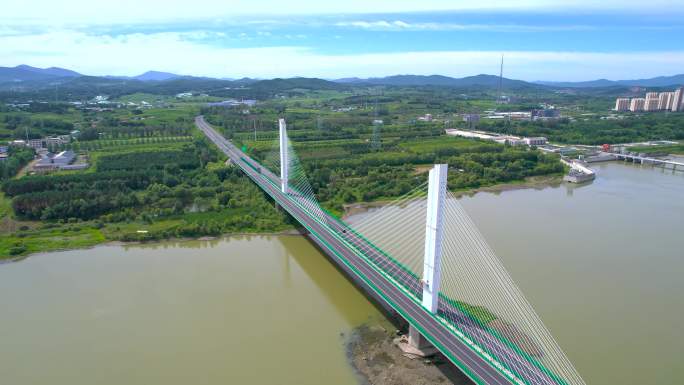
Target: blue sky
x,y
541,40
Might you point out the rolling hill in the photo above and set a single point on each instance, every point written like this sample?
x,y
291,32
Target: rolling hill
x,y
660,81
23,73
482,80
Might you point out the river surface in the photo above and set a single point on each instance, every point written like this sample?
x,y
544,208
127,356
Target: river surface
x,y
603,265
246,310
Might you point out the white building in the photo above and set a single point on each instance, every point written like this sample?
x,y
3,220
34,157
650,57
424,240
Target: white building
x,y
637,104
510,140
678,100
470,134
57,140
63,160
513,115
36,143
665,100
651,103
536,141
622,104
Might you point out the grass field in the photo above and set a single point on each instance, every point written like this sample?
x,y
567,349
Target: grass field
x,y
677,149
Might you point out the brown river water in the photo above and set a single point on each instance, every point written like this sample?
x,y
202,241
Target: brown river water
x,y
603,265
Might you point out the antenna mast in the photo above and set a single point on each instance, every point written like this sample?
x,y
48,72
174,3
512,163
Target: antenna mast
x,y
499,100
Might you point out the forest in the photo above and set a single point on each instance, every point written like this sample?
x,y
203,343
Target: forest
x,y
18,157
596,131
347,159
152,175
181,191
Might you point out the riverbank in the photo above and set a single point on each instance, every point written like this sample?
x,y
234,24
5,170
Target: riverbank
x,y
535,182
378,361
19,239
24,241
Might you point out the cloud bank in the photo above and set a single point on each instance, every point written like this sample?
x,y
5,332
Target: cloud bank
x,y
184,52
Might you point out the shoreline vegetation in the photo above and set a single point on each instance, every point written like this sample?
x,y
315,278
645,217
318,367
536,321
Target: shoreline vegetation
x,y
534,182
153,176
85,235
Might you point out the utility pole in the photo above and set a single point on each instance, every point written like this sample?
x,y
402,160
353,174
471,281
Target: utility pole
x,y
376,141
499,100
284,161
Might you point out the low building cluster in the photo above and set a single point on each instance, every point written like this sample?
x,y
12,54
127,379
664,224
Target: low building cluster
x,y
60,161
537,114
654,101
503,139
64,160
44,143
234,103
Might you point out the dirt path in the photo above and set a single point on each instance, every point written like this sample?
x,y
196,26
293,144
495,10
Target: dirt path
x,y
379,362
29,166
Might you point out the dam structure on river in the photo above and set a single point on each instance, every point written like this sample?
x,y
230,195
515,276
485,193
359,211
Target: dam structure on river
x,y
423,257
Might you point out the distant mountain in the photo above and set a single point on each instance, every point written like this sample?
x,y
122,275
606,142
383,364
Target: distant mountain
x,y
583,84
279,84
52,71
660,81
156,76
349,80
489,81
24,73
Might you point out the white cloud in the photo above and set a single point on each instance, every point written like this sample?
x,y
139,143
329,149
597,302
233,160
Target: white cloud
x,y
398,25
129,11
173,51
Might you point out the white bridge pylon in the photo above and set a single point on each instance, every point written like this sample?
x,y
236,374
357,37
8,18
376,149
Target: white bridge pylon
x,y
434,231
284,161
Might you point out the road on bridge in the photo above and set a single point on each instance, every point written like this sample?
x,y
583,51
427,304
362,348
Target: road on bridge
x,y
345,252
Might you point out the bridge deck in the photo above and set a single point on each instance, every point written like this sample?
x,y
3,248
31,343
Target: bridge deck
x,y
356,255
646,159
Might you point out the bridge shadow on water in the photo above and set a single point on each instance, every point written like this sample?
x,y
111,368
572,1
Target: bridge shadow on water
x,y
331,289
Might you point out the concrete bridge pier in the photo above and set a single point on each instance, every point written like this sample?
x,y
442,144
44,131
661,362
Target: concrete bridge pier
x,y
284,160
432,265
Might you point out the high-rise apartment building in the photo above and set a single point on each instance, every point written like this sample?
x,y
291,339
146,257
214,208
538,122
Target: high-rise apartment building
x,y
637,104
651,103
665,100
654,101
677,100
622,104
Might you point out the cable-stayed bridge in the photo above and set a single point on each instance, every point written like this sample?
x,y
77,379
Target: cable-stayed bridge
x,y
422,256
